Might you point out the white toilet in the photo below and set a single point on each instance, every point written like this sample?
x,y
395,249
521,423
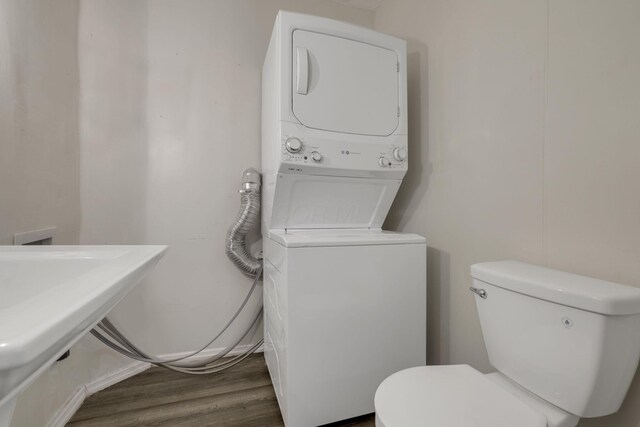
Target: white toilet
x,y
565,347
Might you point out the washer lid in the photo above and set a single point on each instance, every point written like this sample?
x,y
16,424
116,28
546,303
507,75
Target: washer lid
x,y
452,396
342,237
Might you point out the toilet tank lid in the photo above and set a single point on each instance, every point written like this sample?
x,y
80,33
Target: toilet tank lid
x,y
568,289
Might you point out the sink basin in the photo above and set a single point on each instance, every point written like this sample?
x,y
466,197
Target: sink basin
x,y
51,296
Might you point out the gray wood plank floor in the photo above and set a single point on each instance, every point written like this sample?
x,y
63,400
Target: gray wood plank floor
x,y
240,396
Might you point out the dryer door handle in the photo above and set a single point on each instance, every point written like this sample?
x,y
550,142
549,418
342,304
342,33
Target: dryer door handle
x,y
302,70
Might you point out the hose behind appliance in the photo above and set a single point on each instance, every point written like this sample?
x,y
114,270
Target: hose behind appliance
x,y
235,245
248,217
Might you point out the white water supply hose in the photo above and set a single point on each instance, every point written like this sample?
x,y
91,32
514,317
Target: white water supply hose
x,y
235,247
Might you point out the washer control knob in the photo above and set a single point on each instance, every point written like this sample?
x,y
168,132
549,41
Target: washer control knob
x,y
384,162
316,157
293,145
400,154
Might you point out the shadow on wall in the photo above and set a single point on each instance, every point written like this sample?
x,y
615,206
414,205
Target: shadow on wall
x,y
438,279
415,183
410,200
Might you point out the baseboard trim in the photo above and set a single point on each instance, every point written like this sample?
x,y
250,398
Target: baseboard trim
x,y
115,377
69,408
211,352
75,400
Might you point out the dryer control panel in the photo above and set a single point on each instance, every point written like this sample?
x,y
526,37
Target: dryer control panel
x,y
305,153
345,156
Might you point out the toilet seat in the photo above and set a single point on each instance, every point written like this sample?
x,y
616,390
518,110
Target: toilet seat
x,y
451,396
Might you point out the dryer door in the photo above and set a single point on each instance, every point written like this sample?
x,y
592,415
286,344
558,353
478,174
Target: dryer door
x,y
343,85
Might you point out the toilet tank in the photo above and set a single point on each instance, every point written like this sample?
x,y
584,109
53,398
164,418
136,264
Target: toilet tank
x,y
572,340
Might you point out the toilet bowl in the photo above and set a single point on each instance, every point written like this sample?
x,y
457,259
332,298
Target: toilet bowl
x,y
564,346
460,396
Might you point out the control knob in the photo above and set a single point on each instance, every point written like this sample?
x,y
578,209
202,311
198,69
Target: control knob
x,y
293,145
316,157
384,162
400,154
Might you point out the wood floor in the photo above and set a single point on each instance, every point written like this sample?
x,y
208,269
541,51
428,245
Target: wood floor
x,y
240,396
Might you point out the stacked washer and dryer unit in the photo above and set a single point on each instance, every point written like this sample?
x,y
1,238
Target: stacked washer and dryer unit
x,y
345,302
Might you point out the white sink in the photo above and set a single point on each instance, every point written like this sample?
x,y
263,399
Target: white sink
x,y
50,296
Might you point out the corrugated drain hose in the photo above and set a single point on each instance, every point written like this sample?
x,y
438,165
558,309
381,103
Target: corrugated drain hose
x,y
237,252
248,218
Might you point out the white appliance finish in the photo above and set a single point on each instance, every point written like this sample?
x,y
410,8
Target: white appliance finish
x,y
341,314
572,340
451,396
555,416
334,124
52,296
460,396
339,293
584,293
347,74
565,345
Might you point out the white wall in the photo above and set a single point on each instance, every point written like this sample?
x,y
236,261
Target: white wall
x,y
38,119
39,176
524,144
170,117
